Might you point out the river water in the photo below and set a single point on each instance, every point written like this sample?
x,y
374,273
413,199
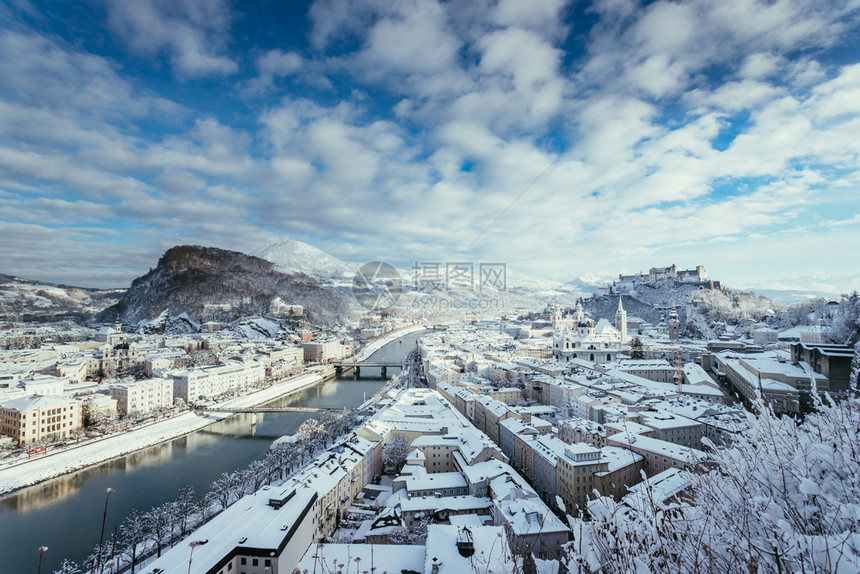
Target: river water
x,y
65,514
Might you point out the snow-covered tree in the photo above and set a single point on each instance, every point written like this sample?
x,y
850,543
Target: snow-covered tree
x,y
204,506
227,488
183,508
132,534
416,536
68,567
394,453
636,348
159,526
256,475
845,326
280,458
854,377
92,561
784,498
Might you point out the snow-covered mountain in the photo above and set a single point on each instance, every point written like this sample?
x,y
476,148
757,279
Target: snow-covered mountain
x,y
519,292
590,282
296,257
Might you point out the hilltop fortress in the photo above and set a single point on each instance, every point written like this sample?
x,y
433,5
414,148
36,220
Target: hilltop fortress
x,y
628,283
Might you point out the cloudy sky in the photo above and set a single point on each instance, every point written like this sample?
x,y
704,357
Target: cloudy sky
x,y
562,138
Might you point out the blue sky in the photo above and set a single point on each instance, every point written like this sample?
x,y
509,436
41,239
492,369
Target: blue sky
x,y
562,138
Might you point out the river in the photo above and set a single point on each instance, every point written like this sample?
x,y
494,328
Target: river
x,y
65,514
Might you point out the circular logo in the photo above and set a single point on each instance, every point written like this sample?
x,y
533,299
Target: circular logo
x,y
377,286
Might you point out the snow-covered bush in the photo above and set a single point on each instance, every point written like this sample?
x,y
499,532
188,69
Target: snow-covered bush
x,y
785,498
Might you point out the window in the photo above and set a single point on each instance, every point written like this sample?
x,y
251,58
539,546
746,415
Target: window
x,y
255,562
243,561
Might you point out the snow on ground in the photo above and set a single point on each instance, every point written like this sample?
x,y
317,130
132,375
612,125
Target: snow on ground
x,y
15,475
43,467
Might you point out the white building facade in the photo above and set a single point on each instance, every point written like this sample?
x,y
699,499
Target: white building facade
x,y
143,396
207,382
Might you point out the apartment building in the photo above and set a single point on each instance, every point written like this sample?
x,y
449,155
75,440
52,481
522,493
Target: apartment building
x,y
659,454
779,383
323,351
143,396
34,418
673,428
577,468
657,370
207,382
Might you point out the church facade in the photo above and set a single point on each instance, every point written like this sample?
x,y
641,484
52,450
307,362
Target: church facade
x,y
576,336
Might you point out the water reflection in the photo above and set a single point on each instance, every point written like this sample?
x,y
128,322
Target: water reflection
x,y
65,514
42,495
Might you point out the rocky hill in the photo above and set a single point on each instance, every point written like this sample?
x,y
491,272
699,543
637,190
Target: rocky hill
x,y
207,283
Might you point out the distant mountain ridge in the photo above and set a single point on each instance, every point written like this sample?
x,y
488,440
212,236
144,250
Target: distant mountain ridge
x,y
33,300
208,283
590,282
520,291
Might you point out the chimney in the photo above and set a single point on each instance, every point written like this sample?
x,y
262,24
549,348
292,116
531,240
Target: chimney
x,y
465,544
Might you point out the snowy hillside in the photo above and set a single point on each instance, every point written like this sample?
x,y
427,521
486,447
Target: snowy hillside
x,y
296,257
25,297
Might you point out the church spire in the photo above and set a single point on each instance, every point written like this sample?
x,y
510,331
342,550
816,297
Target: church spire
x,y
621,320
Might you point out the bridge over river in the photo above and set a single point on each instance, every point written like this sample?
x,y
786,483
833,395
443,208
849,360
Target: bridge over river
x,y
266,409
340,366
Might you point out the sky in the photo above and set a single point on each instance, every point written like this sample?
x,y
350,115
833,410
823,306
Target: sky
x,y
560,138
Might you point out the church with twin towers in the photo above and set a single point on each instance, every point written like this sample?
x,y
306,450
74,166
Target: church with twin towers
x,y
576,336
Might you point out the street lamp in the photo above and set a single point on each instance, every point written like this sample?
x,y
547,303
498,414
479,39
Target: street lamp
x,y
194,545
102,535
42,550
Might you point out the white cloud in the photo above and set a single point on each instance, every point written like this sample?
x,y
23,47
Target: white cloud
x,y
272,65
494,135
534,15
191,32
760,65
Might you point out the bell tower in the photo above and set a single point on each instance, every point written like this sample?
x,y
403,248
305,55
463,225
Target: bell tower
x,y
621,320
674,324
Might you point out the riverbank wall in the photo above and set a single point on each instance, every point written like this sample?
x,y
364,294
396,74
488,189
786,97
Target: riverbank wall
x,y
23,474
